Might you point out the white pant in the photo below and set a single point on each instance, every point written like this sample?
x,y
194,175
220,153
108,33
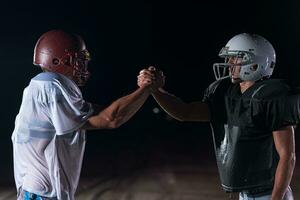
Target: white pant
x,y
288,196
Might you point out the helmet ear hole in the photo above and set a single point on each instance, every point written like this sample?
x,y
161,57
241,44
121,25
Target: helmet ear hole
x,y
254,67
272,65
55,61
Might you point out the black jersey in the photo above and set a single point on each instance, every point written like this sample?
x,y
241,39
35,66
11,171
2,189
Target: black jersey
x,y
242,126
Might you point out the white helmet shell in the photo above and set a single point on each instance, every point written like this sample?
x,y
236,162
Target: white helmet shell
x,y
255,51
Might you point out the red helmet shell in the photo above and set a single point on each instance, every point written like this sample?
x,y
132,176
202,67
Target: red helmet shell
x,y
62,52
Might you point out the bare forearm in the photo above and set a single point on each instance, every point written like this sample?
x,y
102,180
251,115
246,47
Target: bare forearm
x,y
194,111
119,111
171,104
126,107
283,177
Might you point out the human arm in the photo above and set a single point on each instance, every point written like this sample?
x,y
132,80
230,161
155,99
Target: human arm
x,y
285,146
174,106
120,111
180,110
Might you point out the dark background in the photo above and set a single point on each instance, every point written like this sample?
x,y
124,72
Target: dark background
x,y
123,37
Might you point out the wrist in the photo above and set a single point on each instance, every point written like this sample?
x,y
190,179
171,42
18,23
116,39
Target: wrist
x,y
157,90
146,88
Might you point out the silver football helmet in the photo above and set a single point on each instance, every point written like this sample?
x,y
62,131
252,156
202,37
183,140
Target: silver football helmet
x,y
257,57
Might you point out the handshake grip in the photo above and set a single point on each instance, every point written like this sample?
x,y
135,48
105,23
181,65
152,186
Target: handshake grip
x,y
152,78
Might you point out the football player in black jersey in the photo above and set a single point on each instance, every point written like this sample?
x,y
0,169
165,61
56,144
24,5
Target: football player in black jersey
x,y
254,144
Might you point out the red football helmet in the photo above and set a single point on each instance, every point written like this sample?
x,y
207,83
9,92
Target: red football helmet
x,y
62,52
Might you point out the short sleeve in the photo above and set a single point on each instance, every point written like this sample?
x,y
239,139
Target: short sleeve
x,y
292,109
68,111
214,97
274,111
274,100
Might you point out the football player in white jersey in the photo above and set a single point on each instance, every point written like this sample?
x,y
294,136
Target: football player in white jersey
x,y
49,134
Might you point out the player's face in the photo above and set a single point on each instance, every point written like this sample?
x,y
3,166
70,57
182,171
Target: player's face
x,y
234,69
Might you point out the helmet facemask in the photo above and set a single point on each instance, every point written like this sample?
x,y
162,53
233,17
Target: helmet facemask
x,y
75,65
80,67
233,59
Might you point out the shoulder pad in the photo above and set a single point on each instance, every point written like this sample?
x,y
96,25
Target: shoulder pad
x,y
271,88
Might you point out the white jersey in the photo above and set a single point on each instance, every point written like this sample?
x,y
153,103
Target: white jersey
x,y
48,145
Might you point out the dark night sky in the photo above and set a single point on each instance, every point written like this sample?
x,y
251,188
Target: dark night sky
x,y
183,39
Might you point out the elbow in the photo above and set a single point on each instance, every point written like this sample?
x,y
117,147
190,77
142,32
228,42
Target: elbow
x,y
290,158
111,120
177,117
114,123
104,123
293,159
113,126
180,118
